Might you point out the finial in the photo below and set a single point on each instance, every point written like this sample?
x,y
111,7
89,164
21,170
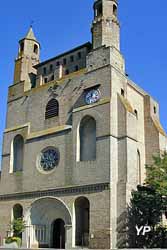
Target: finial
x,y
31,23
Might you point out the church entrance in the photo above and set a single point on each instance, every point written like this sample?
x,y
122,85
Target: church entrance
x,y
50,224
58,234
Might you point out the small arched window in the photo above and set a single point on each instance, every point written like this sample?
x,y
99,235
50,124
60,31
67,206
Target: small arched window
x,y
76,68
155,110
87,134
35,49
138,167
114,10
72,58
136,113
52,109
51,67
64,61
98,9
79,55
44,70
22,46
122,92
52,78
45,79
17,211
18,152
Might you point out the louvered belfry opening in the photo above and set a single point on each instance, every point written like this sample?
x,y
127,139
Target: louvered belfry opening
x,y
52,109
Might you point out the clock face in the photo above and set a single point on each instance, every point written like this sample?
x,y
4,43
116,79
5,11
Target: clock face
x,y
49,159
92,96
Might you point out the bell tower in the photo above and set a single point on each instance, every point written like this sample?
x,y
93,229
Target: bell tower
x,y
28,56
105,26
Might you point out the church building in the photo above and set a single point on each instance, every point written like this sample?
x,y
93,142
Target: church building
x,y
78,135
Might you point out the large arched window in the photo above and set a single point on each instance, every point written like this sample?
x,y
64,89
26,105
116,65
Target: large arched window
x,y
87,136
18,152
82,211
52,109
138,167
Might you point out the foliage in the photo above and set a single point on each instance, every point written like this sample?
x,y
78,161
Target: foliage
x,y
145,210
157,174
147,205
18,173
18,226
13,239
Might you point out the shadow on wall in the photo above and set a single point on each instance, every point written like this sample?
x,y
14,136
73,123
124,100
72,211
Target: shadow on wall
x,y
121,230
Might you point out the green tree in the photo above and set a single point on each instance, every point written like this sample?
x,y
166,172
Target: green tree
x,y
145,209
156,174
18,226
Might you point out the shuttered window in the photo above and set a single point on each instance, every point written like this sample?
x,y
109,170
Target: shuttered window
x,y
52,109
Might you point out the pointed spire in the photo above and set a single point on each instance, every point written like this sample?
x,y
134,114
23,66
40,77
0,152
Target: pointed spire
x,y
30,34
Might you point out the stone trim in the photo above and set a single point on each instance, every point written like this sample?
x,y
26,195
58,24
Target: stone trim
x,y
48,132
158,126
14,84
101,102
92,86
15,99
103,137
126,104
91,188
39,133
126,137
17,127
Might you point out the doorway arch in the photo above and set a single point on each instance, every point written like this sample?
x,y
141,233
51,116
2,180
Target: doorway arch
x,y
45,215
82,217
58,234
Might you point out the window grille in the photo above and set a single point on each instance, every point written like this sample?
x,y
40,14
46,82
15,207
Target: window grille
x,y
52,109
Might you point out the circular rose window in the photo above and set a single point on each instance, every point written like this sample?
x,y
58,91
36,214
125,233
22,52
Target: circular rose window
x,y
48,159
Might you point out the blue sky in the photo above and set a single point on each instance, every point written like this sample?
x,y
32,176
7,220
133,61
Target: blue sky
x,y
61,25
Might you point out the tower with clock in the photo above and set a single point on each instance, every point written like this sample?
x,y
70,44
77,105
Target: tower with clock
x,y
78,135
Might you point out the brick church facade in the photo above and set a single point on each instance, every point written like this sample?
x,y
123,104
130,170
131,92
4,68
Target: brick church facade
x,y
78,135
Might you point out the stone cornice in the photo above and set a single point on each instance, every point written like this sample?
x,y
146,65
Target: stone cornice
x,y
91,188
48,132
32,135
101,102
18,127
